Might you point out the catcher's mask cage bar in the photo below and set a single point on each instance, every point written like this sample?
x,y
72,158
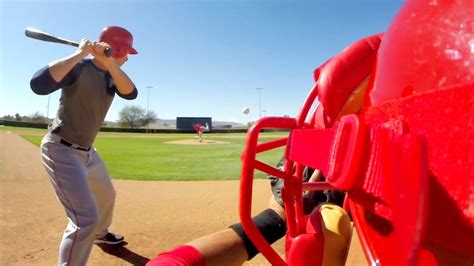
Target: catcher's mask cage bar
x,y
293,185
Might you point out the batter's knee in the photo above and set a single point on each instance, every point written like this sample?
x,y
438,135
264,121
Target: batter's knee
x,y
112,194
88,219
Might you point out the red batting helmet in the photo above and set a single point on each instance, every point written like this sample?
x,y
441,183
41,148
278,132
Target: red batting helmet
x,y
119,39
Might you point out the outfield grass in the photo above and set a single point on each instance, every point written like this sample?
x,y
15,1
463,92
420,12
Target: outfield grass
x,y
142,156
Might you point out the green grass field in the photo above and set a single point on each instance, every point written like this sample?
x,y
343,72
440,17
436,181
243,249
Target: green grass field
x,y
148,157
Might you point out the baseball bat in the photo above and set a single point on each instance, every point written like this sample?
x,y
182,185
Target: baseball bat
x,y
44,36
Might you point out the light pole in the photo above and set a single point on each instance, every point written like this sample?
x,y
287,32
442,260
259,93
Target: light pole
x,y
47,110
148,99
260,101
148,106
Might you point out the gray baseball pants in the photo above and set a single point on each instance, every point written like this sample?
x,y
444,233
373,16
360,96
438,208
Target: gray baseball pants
x,y
83,186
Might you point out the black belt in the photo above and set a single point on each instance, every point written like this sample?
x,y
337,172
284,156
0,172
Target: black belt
x,y
69,144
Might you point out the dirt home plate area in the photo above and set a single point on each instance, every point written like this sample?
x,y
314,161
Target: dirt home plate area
x,y
153,215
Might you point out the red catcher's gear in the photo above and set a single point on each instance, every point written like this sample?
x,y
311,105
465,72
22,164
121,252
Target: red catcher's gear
x,y
119,39
428,47
406,160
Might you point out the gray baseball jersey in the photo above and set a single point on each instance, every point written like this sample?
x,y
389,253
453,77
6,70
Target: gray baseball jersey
x,y
76,171
85,99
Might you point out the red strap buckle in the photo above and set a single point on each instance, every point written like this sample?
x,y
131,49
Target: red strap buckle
x,y
337,152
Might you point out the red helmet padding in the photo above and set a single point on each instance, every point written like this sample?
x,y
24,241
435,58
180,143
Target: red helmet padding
x,y
320,118
342,74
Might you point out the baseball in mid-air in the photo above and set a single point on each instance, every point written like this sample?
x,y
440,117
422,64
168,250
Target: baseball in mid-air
x,y
246,111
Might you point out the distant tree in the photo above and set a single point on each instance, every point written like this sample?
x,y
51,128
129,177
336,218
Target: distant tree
x,y
149,117
37,118
130,116
17,117
135,117
8,117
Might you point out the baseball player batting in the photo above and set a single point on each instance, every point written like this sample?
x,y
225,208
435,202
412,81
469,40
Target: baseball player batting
x,y
76,171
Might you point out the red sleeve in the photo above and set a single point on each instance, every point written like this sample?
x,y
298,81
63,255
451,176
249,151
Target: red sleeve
x,y
180,256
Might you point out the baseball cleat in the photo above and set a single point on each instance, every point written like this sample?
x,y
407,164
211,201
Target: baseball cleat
x,y
110,239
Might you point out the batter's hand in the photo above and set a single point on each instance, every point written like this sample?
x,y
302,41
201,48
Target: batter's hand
x,y
98,49
85,46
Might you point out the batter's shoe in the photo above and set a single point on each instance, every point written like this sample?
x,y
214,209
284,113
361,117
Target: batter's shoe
x,y
110,239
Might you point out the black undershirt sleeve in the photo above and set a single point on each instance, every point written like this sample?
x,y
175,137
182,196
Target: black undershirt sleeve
x,y
130,96
111,88
42,82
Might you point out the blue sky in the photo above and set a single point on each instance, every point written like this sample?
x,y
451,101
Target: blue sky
x,y
201,58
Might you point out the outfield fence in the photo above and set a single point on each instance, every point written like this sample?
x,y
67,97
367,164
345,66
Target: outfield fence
x,y
133,130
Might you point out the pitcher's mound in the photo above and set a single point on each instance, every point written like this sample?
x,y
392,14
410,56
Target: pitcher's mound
x,y
196,142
